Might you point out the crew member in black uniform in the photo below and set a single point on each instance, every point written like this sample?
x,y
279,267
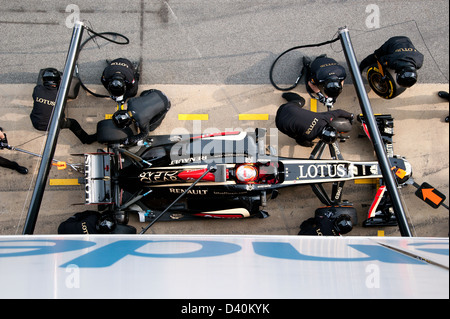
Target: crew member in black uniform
x,y
444,95
120,78
323,225
93,222
5,162
44,100
324,73
304,125
147,111
399,54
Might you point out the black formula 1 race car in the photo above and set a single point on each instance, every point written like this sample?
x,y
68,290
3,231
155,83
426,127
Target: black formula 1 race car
x,y
224,175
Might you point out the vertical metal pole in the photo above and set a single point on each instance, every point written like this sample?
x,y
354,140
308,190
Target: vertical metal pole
x,y
53,130
375,135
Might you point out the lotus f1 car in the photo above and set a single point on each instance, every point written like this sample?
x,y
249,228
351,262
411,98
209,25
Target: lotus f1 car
x,y
223,175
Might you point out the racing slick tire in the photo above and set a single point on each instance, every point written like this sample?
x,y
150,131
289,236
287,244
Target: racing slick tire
x,y
156,121
107,132
124,229
342,125
335,211
385,87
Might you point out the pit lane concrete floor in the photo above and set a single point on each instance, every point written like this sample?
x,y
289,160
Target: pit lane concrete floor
x,y
421,135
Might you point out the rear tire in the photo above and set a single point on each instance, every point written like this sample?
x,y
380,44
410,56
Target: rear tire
x,y
342,125
336,211
107,132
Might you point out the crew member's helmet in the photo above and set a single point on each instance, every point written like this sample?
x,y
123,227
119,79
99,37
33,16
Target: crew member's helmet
x,y
332,87
122,119
117,86
329,134
51,77
407,77
343,224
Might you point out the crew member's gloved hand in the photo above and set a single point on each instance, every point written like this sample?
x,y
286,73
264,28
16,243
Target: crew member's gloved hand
x,y
3,141
126,141
131,141
3,145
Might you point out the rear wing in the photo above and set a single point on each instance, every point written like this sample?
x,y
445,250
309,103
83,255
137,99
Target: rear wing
x,y
97,171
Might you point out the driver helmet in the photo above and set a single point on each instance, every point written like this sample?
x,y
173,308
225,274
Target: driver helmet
x,y
329,134
332,87
407,77
51,77
343,224
117,87
105,224
122,119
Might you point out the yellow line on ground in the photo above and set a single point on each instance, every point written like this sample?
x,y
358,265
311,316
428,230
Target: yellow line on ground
x,y
253,117
193,117
64,181
313,104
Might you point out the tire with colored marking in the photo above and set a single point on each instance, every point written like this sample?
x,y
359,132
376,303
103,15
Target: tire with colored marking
x,y
384,87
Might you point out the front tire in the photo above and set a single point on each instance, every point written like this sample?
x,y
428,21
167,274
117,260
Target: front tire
x,y
384,87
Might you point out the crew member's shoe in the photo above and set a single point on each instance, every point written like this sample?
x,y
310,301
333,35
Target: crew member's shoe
x,y
443,95
22,170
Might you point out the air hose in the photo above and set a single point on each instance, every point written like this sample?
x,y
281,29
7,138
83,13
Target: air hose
x,y
92,36
301,73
